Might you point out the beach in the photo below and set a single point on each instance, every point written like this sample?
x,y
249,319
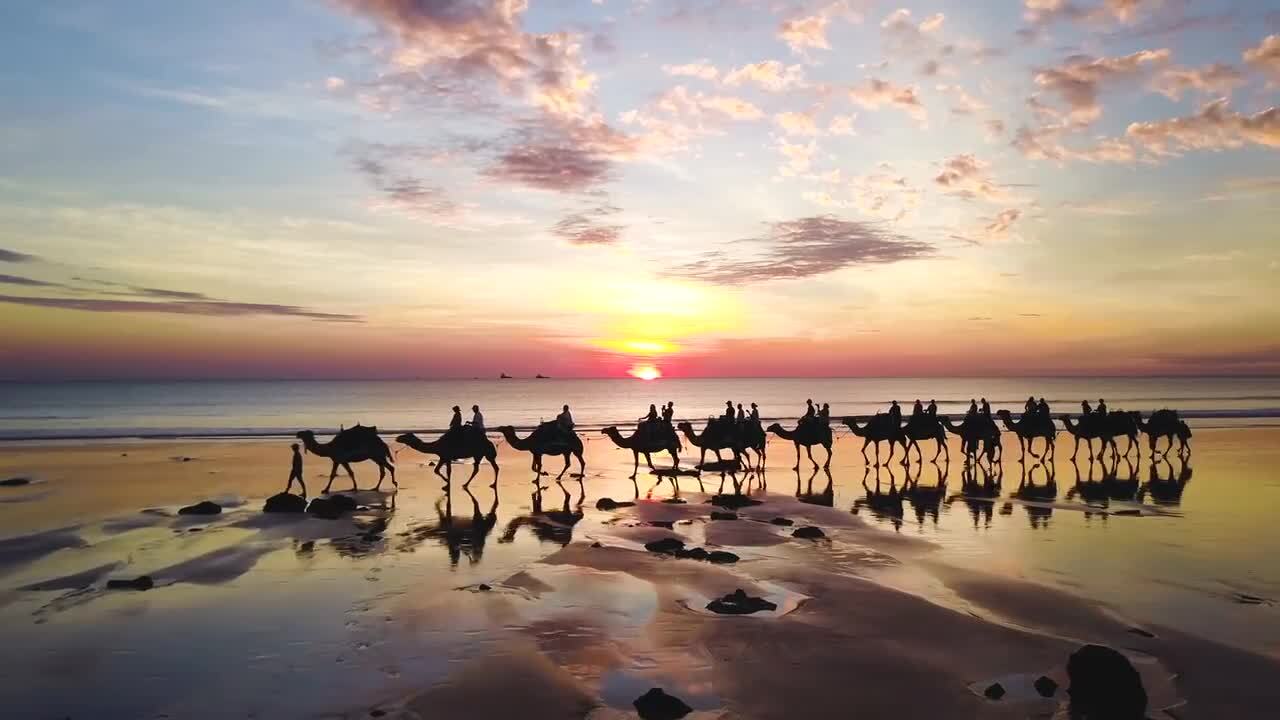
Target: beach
x,y
530,601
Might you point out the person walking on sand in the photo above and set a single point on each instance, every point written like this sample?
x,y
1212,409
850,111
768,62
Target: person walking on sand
x,y
295,472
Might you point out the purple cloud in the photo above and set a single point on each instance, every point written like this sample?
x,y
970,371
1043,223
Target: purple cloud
x,y
13,256
214,308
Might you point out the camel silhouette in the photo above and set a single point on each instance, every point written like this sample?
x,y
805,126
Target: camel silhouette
x,y
825,498
1105,429
1029,491
457,444
1166,424
884,505
807,434
355,444
926,427
880,428
1028,428
719,434
1166,489
1110,487
977,434
644,442
926,500
979,497
549,438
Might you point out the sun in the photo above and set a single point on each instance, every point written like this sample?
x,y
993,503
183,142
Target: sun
x,y
645,371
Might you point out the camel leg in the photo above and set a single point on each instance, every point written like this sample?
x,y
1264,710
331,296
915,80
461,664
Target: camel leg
x,y
797,467
865,459
493,462
334,473
809,450
830,454
475,468
347,467
635,469
648,458
582,466
565,469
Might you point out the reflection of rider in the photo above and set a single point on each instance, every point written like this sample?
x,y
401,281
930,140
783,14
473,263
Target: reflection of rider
x,y
456,421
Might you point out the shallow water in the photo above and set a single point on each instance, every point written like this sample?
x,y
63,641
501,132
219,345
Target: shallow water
x,y
259,616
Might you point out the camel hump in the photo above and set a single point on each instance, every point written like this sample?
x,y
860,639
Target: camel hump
x,y
357,434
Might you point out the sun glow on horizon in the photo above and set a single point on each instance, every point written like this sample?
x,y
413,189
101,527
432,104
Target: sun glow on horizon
x,y
645,371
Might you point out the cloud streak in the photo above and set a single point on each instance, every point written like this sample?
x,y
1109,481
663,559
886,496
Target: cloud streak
x,y
13,256
802,248
213,308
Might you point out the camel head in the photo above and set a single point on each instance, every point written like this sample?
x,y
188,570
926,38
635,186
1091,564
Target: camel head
x,y
406,438
611,429
1004,413
305,434
774,428
685,425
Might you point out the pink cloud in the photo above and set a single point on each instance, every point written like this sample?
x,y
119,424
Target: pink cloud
x,y
1214,127
1265,57
1079,79
876,93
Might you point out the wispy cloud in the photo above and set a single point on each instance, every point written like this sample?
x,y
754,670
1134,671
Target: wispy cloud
x,y
805,247
875,93
13,256
25,281
1078,80
216,308
587,227
1215,127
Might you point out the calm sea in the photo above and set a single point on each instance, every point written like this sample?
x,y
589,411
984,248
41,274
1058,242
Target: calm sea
x,y
269,408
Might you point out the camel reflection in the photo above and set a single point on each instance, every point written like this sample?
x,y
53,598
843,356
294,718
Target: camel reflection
x,y
1111,486
825,498
979,495
1030,492
551,526
1166,489
459,534
884,504
926,501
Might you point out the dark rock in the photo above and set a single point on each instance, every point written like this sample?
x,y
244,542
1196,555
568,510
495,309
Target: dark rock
x,y
733,502
483,587
665,546
139,583
1142,633
596,544
328,508
344,503
1104,685
721,557
204,507
784,522
377,713
196,529
1046,686
717,515
668,524
657,705
285,503
674,501
995,691
692,554
808,532
611,504
15,482
739,602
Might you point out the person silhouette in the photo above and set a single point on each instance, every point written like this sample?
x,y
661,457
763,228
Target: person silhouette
x,y
917,410
565,419
742,416
824,415
1084,407
973,408
653,414
755,413
895,412
986,407
1042,407
933,408
477,420
668,411
456,421
728,410
295,471
1102,407
809,412
1030,407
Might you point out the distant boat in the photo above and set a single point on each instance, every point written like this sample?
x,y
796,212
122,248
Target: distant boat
x,y
540,376
504,376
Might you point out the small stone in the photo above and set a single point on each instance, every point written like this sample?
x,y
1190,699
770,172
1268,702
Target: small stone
x,y
1104,684
331,508
739,602
657,705
674,501
1046,686
808,532
344,503
139,583
994,692
483,587
285,503
668,524
596,544
15,482
665,546
692,554
781,521
733,502
377,713
204,507
721,557
611,504
717,515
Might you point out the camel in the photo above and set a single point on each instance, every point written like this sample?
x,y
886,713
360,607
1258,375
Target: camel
x,y
643,442
752,437
1028,428
355,444
456,445
976,434
807,434
547,439
1166,424
880,428
1117,423
716,436
1088,431
927,427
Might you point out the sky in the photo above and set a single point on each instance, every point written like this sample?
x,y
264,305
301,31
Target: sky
x,y
604,188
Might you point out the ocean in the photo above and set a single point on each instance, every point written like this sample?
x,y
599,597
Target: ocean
x,y
69,410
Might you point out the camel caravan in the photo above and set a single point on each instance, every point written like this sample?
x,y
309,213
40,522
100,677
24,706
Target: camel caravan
x,y
741,432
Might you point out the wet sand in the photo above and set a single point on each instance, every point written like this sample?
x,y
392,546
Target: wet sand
x,y
914,598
